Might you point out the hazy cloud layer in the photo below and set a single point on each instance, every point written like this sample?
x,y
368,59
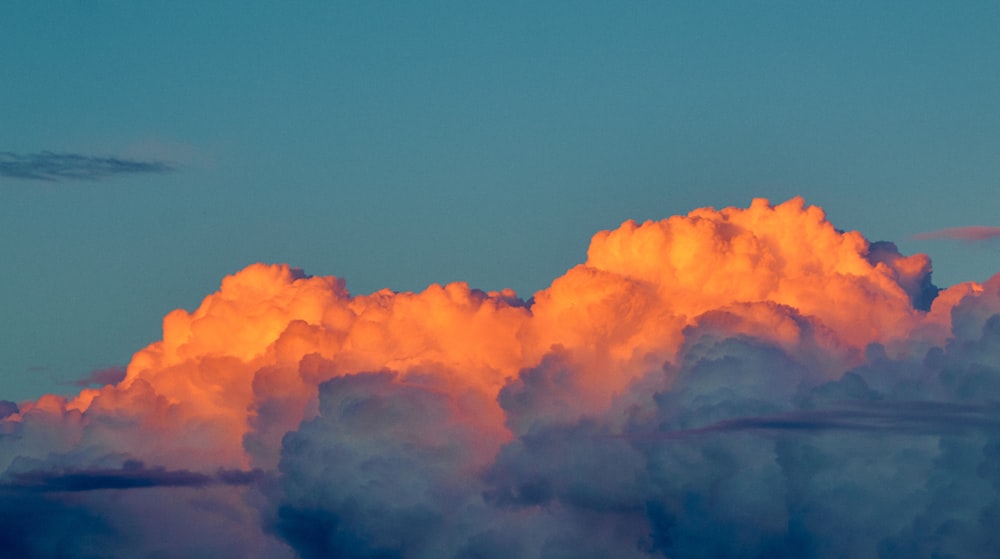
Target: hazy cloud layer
x,y
729,383
49,166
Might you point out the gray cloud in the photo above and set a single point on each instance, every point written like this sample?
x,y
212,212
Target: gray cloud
x,y
53,167
735,458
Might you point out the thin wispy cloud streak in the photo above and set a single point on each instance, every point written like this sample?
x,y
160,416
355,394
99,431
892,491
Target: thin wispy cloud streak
x,y
970,233
55,167
132,475
903,418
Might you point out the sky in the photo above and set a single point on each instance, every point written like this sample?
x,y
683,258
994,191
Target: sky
x,y
151,155
399,146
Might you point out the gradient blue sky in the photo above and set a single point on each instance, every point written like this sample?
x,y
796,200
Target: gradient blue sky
x,y
398,145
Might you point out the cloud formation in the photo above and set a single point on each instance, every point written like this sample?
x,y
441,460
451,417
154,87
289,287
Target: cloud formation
x,y
737,383
100,377
133,474
49,166
970,233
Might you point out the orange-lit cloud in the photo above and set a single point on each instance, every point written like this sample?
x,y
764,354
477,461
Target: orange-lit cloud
x,y
431,422
970,233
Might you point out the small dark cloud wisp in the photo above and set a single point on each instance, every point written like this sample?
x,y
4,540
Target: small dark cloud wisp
x,y
101,377
970,233
132,475
54,167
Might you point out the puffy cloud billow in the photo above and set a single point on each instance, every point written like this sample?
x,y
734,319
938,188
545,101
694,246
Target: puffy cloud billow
x,y
734,383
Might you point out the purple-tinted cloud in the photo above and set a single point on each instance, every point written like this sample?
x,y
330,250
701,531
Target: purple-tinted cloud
x,y
970,233
7,408
101,377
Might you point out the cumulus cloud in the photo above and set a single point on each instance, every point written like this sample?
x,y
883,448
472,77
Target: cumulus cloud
x,y
49,166
737,382
970,233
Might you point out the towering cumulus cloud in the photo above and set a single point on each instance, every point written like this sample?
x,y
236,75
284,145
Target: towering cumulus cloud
x,y
735,383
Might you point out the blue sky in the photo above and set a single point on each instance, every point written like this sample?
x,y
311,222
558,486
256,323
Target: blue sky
x,y
398,145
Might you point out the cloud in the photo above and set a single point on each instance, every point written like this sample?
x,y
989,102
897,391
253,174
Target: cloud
x,y
744,382
49,166
970,233
100,377
169,522
7,408
132,475
727,457
386,469
918,418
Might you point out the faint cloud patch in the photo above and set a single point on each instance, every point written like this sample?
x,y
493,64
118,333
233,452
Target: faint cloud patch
x,y
54,167
101,377
970,234
151,148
